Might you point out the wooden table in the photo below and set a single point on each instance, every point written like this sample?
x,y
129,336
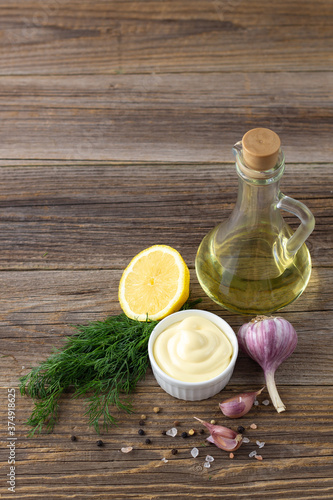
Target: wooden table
x,y
117,122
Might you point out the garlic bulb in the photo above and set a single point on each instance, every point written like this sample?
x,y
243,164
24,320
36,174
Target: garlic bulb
x,y
239,405
269,341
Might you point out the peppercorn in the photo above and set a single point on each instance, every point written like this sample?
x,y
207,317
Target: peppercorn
x,y
241,429
99,442
202,431
184,435
174,451
148,441
141,423
163,433
73,438
141,432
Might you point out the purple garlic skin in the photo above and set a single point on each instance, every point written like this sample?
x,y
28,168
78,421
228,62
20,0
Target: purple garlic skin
x,y
239,405
223,437
269,341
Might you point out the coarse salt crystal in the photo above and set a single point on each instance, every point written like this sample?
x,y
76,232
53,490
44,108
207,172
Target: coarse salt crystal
x,y
207,465
209,458
126,449
253,426
194,452
252,454
245,440
258,457
172,432
231,455
165,460
265,402
260,444
256,402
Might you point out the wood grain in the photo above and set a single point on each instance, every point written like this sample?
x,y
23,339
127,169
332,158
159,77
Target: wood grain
x,y
117,122
78,37
164,117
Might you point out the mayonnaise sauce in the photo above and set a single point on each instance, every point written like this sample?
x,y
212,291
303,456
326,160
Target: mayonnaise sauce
x,y
192,350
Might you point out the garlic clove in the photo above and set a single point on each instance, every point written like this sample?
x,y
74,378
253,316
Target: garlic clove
x,y
223,437
239,405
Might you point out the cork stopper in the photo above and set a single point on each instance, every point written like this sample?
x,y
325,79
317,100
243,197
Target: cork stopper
x,y
261,149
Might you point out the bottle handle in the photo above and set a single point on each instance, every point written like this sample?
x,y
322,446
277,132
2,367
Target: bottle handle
x,y
307,222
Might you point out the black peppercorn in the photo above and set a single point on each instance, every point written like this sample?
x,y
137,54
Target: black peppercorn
x,y
164,433
174,451
148,441
141,432
73,438
184,435
99,442
141,423
240,429
202,431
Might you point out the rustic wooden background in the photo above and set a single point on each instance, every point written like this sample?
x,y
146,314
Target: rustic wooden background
x,y
117,121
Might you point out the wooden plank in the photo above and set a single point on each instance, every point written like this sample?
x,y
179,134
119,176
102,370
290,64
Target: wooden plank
x,y
297,451
67,36
164,117
99,216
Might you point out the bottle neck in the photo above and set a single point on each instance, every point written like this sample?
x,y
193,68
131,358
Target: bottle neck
x,y
258,192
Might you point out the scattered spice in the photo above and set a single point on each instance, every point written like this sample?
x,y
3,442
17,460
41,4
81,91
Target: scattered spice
x,y
241,429
176,423
163,433
253,426
165,460
156,409
172,432
202,431
213,422
127,449
99,442
252,454
194,452
174,451
73,438
258,457
246,440
266,402
184,435
141,432
148,441
191,432
141,423
231,455
260,444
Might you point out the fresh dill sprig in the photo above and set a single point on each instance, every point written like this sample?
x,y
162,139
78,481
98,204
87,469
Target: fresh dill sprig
x,y
103,362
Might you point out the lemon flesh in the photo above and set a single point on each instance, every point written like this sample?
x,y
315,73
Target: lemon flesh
x,y
156,283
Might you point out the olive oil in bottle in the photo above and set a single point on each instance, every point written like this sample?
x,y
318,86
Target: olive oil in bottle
x,y
254,263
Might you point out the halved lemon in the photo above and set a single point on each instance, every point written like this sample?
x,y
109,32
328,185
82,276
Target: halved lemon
x,y
155,283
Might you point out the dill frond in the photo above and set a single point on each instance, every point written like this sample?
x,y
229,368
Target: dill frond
x,y
102,362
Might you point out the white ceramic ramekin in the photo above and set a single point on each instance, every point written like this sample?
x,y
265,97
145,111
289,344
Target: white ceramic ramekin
x,y
193,391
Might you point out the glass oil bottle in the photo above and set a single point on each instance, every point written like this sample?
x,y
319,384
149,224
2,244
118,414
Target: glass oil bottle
x,y
254,263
